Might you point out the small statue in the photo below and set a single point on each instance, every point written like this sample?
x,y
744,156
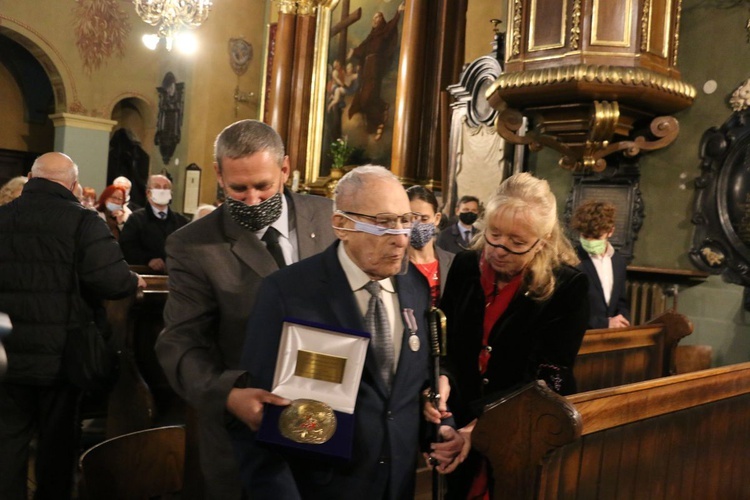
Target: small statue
x,y
740,99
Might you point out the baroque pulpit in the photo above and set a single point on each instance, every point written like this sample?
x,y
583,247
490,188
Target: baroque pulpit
x,y
593,76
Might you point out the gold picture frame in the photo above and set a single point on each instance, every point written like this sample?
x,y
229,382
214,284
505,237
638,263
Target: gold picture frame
x,y
390,86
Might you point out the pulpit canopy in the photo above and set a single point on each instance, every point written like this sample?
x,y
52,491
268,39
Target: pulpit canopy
x,y
591,76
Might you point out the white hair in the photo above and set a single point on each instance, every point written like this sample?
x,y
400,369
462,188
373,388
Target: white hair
x,y
354,180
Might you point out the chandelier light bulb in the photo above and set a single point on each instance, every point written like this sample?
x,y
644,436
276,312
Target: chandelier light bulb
x,y
150,41
186,43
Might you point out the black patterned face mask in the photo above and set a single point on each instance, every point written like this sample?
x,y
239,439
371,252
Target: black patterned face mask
x,y
255,217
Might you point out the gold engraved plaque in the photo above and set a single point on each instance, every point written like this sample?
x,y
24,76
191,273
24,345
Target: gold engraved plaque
x,y
320,366
307,421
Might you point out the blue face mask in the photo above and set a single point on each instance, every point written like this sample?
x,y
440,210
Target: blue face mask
x,y
421,234
113,207
364,227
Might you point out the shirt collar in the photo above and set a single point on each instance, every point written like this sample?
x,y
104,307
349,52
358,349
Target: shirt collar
x,y
156,210
356,276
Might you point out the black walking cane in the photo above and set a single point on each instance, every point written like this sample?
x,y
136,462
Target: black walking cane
x,y
437,323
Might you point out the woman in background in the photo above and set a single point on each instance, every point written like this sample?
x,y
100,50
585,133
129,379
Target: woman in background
x,y
110,208
432,262
12,189
517,310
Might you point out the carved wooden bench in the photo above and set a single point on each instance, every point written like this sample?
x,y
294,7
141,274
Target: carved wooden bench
x,y
616,356
683,436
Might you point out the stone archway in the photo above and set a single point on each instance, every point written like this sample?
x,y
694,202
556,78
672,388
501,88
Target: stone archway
x,y
61,80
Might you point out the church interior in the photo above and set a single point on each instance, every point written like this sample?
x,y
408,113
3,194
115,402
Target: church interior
x,y
643,103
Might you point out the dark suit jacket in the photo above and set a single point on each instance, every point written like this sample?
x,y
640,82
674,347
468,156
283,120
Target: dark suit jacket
x,y
144,235
386,425
215,269
450,239
600,312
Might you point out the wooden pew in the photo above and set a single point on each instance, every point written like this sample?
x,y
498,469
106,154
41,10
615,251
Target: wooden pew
x,y
616,356
683,436
142,392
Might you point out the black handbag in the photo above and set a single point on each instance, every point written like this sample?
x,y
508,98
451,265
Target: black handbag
x,y
90,363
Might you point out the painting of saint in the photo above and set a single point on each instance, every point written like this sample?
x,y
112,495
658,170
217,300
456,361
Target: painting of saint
x,y
363,54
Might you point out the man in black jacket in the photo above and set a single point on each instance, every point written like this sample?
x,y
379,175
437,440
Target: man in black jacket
x,y
144,236
47,238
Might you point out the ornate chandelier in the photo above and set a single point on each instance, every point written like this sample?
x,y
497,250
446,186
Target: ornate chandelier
x,y
171,16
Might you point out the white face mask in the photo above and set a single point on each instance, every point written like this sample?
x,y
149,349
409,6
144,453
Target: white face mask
x,y
161,196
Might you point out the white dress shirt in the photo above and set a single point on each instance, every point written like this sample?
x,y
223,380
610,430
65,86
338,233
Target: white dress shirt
x,y
603,265
357,281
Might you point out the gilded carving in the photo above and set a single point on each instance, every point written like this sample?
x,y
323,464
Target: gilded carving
x,y
287,6
644,24
636,77
575,29
517,18
305,7
676,32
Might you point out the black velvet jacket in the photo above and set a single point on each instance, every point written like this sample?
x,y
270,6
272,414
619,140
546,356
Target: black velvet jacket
x,y
531,340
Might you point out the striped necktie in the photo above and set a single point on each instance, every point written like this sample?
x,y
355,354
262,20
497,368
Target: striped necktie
x,y
376,322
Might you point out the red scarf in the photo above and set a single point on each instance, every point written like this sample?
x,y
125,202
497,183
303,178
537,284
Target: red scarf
x,y
496,303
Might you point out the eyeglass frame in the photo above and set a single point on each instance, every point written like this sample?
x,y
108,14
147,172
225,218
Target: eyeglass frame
x,y
512,252
392,224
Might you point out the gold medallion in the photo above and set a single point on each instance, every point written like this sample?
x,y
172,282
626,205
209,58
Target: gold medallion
x,y
307,421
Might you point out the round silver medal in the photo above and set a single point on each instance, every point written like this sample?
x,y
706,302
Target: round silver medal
x,y
414,343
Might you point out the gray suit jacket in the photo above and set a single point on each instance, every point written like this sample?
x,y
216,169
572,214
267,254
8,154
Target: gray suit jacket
x,y
215,268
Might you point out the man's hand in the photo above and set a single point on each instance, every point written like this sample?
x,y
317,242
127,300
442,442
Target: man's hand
x,y
618,321
247,405
157,265
141,282
436,415
447,455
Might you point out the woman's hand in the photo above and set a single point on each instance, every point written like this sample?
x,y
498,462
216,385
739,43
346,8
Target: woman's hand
x,y
436,415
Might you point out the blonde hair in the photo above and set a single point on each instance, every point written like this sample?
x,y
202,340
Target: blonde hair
x,y
525,195
9,188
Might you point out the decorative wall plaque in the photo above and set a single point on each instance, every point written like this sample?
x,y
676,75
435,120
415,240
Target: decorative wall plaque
x,y
721,214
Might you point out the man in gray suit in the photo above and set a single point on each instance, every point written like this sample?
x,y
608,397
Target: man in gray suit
x,y
215,267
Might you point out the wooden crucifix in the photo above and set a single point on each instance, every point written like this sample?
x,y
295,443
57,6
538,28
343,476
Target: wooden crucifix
x,y
341,27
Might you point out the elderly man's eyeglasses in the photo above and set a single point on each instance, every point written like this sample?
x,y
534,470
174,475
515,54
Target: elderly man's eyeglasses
x,y
388,221
383,223
514,248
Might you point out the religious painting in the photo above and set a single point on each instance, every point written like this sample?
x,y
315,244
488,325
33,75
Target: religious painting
x,y
358,98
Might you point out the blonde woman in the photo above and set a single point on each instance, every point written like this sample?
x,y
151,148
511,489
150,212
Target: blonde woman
x,y
12,189
517,310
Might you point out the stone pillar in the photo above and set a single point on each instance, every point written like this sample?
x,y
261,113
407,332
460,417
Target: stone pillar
x,y
86,140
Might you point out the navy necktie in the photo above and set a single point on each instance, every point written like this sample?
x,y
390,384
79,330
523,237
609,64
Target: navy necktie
x,y
271,239
162,215
376,322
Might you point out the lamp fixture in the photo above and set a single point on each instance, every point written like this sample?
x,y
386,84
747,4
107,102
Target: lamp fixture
x,y
170,17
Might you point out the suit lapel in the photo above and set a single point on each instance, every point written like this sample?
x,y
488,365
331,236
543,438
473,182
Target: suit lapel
x,y
246,246
303,224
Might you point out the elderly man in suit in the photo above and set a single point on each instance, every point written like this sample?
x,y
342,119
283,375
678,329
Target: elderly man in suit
x,y
339,288
215,267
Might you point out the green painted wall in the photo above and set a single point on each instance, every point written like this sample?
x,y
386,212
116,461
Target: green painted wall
x,y
713,46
